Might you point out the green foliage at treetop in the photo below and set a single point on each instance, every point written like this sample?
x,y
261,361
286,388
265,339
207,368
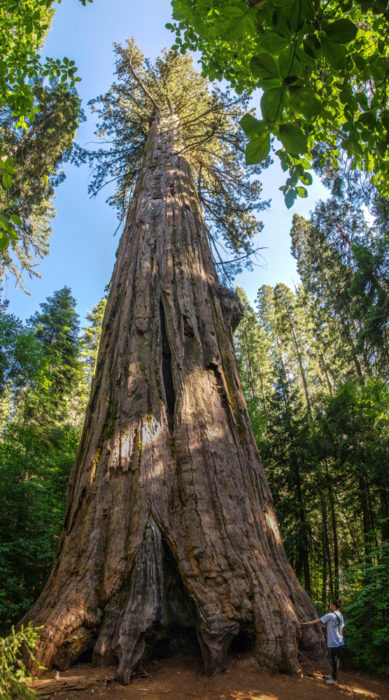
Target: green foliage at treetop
x,y
323,67
212,142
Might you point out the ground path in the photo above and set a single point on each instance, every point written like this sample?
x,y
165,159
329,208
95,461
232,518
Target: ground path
x,y
180,678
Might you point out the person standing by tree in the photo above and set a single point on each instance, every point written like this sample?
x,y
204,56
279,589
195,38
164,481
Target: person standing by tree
x,y
334,622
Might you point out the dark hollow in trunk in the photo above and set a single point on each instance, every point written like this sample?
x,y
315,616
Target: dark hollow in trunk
x,y
170,531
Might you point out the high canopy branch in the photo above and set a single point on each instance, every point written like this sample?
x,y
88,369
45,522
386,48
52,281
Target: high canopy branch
x,y
141,84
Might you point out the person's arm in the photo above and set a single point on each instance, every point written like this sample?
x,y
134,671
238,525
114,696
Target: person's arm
x,y
312,622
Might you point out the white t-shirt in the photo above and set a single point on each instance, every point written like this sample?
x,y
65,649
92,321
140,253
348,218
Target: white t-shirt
x,y
335,624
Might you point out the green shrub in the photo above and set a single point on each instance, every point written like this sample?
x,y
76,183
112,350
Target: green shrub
x,y
13,672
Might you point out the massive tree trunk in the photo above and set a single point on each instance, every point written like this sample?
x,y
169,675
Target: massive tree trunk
x,y
170,529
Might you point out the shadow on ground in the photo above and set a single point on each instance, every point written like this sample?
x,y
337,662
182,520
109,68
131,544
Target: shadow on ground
x,y
180,678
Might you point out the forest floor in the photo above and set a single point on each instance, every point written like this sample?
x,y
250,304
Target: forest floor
x,y
180,678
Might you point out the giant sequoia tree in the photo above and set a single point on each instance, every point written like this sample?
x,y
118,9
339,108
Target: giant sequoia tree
x,y
170,531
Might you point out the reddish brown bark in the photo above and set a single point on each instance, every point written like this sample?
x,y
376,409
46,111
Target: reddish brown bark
x,y
170,528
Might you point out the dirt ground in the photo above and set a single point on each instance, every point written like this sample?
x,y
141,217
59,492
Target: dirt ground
x,y
180,678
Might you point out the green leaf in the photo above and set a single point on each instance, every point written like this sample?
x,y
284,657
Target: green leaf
x,y
310,47
271,83
305,101
306,178
271,104
342,31
264,66
289,64
290,198
302,192
7,181
284,158
4,223
237,23
305,163
292,138
4,242
359,61
292,180
362,100
252,126
385,118
304,59
273,43
16,219
257,149
8,228
335,54
8,166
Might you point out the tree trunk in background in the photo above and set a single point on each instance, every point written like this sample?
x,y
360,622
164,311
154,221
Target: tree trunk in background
x,y
302,554
326,545
170,529
334,538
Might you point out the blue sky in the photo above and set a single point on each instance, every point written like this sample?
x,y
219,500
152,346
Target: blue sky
x,y
83,245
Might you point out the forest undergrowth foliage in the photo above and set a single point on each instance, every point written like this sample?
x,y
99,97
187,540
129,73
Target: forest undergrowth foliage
x,y
13,672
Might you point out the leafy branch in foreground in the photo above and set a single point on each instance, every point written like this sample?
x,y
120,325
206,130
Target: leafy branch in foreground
x,y
322,66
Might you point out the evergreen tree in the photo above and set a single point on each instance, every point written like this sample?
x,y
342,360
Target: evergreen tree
x,y
328,278
38,442
90,339
170,529
212,142
56,328
36,153
23,26
19,351
299,462
252,347
349,256
288,463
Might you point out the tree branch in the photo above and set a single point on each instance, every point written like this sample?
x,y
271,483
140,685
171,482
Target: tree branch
x,y
142,85
241,257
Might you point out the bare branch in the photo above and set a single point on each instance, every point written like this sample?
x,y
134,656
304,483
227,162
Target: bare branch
x,y
142,85
241,257
207,167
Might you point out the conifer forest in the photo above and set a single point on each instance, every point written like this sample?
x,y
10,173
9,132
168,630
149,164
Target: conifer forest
x,y
196,468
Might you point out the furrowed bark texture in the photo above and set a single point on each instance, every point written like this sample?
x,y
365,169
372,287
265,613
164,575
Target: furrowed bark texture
x,y
170,530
